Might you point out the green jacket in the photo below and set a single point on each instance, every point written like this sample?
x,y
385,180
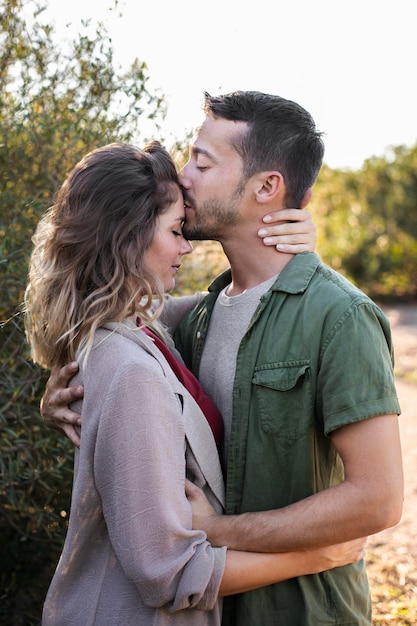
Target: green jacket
x,y
316,356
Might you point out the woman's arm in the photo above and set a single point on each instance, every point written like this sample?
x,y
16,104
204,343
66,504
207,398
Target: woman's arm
x,y
176,307
250,570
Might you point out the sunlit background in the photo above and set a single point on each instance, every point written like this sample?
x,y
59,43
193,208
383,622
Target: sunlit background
x,y
351,64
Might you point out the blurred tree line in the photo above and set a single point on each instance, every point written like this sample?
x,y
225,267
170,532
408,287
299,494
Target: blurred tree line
x,y
58,101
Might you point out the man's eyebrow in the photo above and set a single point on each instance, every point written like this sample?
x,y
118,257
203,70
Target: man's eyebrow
x,y
196,151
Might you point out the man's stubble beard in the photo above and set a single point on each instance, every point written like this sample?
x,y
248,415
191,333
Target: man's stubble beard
x,y
213,218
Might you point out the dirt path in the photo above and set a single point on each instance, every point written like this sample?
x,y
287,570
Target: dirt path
x,y
404,328
392,554
404,535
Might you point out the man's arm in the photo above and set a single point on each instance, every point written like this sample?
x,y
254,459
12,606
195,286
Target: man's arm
x,y
54,407
367,501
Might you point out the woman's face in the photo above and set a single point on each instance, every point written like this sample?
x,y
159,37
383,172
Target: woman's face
x,y
163,257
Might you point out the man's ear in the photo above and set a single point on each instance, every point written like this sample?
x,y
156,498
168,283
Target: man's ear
x,y
271,185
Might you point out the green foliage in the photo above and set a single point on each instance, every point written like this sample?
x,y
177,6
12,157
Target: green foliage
x,y
36,471
199,269
57,103
367,223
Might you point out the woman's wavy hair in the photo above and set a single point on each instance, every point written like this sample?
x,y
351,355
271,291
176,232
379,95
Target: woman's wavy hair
x,y
87,267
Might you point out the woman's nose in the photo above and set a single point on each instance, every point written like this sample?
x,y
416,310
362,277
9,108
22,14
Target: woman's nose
x,y
187,248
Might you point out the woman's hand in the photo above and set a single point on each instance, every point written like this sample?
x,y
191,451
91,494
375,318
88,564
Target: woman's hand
x,y
203,513
337,555
290,231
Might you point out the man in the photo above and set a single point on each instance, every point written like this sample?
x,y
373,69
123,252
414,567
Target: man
x,y
299,363
303,379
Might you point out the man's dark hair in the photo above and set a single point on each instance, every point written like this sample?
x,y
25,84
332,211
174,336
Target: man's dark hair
x,y
281,136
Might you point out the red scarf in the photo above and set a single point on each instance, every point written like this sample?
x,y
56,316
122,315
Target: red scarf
x,y
191,383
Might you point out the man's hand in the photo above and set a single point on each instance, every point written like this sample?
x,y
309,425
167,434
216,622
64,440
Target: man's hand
x,y
290,231
55,410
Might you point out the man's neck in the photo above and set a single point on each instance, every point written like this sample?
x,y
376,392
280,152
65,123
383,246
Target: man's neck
x,y
252,263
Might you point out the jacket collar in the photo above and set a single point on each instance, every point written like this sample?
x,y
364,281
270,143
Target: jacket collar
x,y
297,274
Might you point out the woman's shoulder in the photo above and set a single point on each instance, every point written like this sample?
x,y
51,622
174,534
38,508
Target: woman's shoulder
x,y
118,361
118,345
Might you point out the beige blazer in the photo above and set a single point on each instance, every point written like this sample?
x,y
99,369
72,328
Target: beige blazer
x,y
130,555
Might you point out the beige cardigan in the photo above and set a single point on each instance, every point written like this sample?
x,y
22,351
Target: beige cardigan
x,y
130,555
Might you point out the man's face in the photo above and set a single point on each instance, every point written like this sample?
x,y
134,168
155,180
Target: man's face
x,y
212,181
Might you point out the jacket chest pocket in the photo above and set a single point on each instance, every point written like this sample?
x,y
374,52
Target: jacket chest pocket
x,y
283,397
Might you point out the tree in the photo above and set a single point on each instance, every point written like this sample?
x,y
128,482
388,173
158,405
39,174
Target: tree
x,y
367,223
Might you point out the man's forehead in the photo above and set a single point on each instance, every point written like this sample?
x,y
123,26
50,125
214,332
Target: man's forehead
x,y
216,135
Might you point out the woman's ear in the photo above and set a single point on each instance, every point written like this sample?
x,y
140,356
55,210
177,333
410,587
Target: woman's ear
x,y
271,185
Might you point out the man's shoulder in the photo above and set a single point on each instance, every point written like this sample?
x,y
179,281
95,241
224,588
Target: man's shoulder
x,y
336,282
308,273
326,295
205,303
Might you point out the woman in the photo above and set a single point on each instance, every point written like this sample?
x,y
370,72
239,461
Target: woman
x,y
110,244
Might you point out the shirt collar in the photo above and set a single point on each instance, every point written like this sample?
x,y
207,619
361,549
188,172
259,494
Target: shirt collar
x,y
294,278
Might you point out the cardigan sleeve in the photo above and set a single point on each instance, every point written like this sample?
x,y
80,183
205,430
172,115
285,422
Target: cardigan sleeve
x,y
139,468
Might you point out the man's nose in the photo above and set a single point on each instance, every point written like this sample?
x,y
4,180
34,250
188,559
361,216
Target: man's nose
x,y
183,179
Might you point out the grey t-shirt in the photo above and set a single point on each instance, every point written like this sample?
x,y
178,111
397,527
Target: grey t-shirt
x,y
229,321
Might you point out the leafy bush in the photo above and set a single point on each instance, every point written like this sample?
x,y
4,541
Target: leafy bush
x,y
36,470
367,223
57,103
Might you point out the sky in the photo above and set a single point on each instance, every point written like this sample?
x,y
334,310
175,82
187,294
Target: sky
x,y
351,64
